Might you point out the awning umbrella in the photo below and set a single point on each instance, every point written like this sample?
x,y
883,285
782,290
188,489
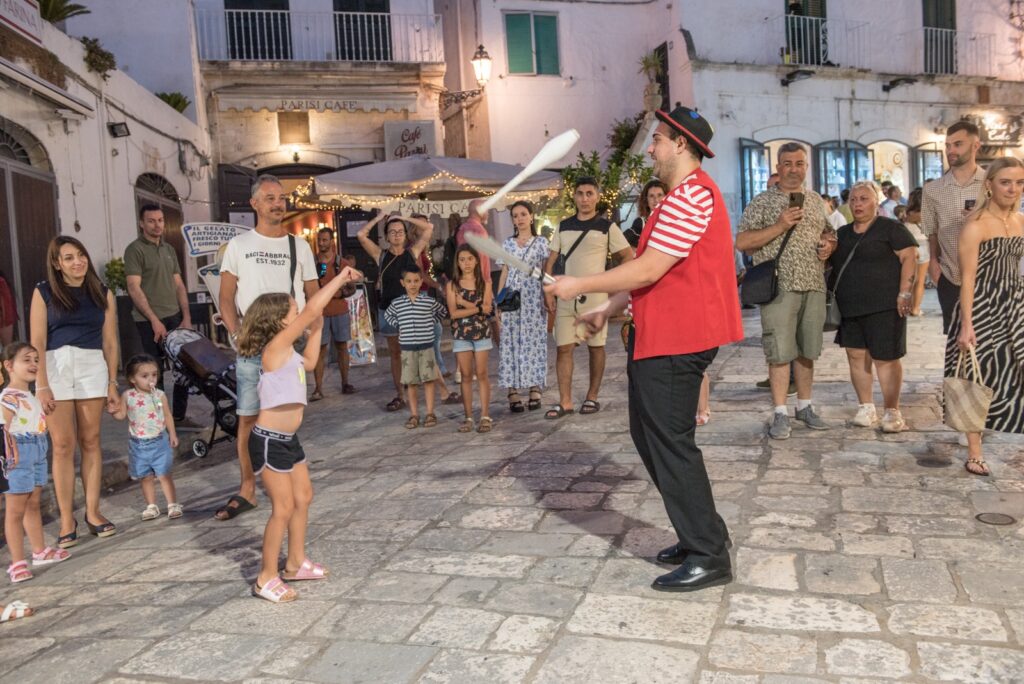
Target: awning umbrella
x,y
436,178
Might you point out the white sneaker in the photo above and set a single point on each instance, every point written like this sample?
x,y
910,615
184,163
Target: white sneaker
x,y
892,421
866,416
152,512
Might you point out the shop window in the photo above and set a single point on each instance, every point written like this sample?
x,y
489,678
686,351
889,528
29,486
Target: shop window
x,y
532,43
293,128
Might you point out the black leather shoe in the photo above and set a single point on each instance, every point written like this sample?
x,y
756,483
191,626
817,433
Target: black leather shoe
x,y
676,554
692,577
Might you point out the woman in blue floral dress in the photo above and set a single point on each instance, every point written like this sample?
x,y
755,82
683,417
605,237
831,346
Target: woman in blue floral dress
x,y
523,361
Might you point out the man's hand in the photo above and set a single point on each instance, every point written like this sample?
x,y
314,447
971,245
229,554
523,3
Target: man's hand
x,y
592,322
350,275
564,287
186,324
827,246
159,331
934,272
790,217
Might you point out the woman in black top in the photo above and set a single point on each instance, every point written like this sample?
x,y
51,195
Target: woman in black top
x,y
73,321
874,291
390,263
654,191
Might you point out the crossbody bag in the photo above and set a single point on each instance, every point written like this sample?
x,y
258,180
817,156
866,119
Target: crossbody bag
x,y
761,282
832,315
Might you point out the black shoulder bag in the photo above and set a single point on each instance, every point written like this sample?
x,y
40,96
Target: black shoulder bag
x,y
558,268
761,282
295,264
832,315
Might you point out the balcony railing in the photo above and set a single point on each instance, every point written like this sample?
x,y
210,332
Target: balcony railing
x,y
947,51
271,35
813,41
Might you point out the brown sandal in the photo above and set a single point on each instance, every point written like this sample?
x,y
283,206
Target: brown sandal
x,y
980,465
467,425
413,422
485,424
430,420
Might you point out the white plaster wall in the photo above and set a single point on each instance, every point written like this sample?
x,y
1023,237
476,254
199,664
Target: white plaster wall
x,y
95,185
748,102
154,44
599,52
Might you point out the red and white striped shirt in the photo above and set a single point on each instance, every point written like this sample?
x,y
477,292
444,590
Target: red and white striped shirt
x,y
684,216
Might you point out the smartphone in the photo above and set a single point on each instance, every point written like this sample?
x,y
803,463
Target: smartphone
x,y
969,204
796,199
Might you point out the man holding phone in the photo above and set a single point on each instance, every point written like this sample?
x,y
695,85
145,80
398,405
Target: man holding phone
x,y
945,204
792,323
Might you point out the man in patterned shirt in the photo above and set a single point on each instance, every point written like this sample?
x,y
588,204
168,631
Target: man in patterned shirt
x,y
791,324
945,203
682,288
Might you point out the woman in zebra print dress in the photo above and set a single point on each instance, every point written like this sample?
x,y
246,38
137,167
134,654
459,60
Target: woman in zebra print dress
x,y
990,314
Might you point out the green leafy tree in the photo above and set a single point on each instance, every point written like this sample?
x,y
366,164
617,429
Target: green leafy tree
x,y
55,11
176,100
616,178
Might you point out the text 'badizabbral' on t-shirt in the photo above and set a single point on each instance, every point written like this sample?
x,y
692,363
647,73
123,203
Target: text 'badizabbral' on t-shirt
x,y
263,264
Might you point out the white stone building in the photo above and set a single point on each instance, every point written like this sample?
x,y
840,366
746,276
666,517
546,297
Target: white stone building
x,y
79,154
869,86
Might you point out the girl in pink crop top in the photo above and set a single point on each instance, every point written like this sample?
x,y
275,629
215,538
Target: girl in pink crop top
x,y
270,329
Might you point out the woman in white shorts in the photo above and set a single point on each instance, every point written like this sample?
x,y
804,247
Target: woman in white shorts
x,y
74,318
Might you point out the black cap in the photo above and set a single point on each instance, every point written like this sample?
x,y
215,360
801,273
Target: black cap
x,y
691,124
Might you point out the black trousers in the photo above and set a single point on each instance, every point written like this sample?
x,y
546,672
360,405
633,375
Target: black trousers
x,y
179,402
949,295
663,395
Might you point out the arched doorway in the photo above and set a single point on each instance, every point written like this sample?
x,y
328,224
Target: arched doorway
x,y
152,188
28,213
892,163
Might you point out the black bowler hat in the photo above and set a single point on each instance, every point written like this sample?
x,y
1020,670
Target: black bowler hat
x,y
691,124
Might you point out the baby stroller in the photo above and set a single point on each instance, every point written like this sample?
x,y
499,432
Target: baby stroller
x,y
210,371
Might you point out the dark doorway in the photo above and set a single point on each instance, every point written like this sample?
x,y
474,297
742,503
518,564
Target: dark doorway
x,y
362,30
258,29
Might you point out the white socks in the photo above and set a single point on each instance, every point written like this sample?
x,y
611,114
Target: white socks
x,y
781,409
801,404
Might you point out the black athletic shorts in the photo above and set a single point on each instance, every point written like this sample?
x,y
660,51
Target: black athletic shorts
x,y
279,451
883,334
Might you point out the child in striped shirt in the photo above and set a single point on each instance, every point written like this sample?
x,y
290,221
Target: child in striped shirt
x,y
414,314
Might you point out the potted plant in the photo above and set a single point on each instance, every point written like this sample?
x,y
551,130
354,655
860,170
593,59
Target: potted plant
x,y
650,66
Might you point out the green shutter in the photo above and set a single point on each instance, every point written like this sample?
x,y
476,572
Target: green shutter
x,y
545,27
520,47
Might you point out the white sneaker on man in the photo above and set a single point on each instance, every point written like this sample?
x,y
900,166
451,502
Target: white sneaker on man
x,y
892,421
866,416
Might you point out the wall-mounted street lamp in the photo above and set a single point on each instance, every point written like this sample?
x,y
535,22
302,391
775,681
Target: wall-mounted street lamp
x,y
118,129
796,75
481,62
897,82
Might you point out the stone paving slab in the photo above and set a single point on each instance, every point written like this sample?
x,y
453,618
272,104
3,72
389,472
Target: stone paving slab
x,y
526,555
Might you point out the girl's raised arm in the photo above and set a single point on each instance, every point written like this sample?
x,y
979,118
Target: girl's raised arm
x,y
371,247
312,311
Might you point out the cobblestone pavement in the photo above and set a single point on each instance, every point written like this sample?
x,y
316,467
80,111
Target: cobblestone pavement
x,y
525,555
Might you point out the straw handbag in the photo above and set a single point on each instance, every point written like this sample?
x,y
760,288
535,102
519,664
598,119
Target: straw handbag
x,y
966,401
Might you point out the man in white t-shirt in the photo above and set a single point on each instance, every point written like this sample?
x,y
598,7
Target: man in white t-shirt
x,y
256,262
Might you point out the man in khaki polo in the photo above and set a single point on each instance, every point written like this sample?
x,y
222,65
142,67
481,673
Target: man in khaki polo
x,y
159,295
586,239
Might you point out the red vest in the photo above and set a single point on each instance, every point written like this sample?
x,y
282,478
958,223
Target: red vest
x,y
695,306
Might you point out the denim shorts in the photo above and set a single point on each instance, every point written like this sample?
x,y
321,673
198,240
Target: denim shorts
x,y
386,329
472,345
247,378
31,469
337,328
149,456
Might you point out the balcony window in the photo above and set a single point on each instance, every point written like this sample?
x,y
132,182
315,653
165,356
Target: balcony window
x,y
806,34
258,29
362,30
532,41
940,40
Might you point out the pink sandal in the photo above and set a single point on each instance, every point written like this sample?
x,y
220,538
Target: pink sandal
x,y
49,556
19,572
703,417
275,591
307,571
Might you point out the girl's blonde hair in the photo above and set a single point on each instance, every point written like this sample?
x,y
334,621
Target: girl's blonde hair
x,y
8,354
993,170
263,320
